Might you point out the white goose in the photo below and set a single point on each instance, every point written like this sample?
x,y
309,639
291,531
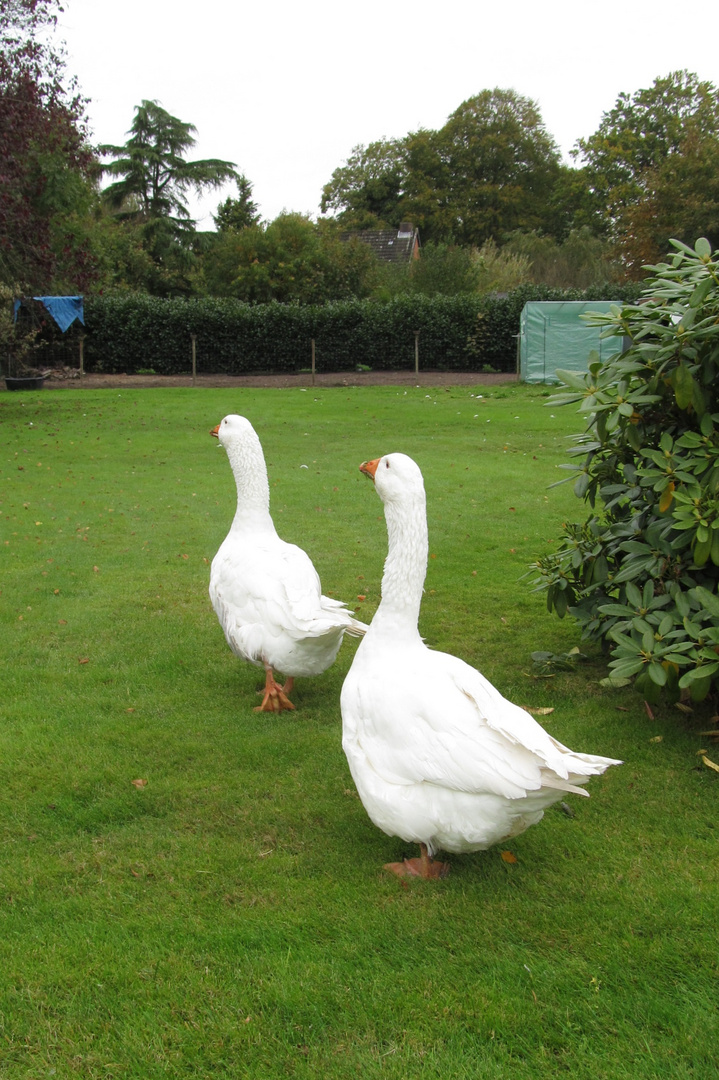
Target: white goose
x,y
439,757
266,592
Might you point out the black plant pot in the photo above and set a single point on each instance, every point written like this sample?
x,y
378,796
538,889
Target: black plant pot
x,y
24,382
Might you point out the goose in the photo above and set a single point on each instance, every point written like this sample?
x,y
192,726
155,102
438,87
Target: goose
x,y
439,757
265,592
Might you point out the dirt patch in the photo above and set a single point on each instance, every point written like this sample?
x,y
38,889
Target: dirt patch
x,y
67,380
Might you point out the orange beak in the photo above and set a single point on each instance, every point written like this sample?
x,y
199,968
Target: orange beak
x,y
216,431
370,467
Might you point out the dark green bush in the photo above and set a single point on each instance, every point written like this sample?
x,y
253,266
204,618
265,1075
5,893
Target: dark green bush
x,y
457,333
641,574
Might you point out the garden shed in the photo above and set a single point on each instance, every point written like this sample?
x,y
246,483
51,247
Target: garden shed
x,y
552,334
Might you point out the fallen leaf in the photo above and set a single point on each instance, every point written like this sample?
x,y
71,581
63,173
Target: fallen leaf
x,y
129,710
361,596
62,622
683,708
544,710
96,569
84,660
657,738
648,710
139,783
508,856
710,764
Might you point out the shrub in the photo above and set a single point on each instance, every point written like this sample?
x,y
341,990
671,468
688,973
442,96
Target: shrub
x,y
640,575
458,333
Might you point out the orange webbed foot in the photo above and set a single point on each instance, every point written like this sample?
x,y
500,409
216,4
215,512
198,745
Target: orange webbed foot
x,y
423,867
275,696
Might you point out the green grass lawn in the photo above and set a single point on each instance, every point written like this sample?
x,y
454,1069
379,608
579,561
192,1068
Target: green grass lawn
x,y
231,917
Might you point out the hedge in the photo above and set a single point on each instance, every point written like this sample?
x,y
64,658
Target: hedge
x,y
135,332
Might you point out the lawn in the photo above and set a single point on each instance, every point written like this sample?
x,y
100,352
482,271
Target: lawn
x,y
228,915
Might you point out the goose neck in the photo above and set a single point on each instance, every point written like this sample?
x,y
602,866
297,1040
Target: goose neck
x,y
406,565
253,489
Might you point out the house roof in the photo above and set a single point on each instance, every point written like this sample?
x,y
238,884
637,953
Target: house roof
x,y
391,245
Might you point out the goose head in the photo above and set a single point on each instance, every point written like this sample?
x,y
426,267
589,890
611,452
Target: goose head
x,y
232,428
397,478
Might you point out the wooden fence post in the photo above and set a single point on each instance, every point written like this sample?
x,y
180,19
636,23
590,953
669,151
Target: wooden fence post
x,y
194,357
81,344
313,361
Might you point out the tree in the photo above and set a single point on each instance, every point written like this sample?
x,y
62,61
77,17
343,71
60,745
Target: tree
x,y
578,262
367,189
641,574
444,269
237,213
289,259
501,165
491,169
651,166
152,191
47,178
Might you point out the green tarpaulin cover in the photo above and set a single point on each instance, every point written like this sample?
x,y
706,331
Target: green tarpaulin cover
x,y
552,335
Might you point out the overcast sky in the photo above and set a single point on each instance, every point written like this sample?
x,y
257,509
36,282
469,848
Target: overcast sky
x,y
286,89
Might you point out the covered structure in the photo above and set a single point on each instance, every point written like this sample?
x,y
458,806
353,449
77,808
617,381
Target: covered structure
x,y
552,334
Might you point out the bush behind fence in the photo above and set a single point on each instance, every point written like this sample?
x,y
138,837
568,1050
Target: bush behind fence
x,y
134,332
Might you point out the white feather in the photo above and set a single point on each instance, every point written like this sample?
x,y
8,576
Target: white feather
x,y
438,755
266,593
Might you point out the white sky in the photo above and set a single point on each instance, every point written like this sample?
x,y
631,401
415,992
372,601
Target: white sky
x,y
287,88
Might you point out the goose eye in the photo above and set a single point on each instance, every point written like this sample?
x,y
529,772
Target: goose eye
x,y
386,464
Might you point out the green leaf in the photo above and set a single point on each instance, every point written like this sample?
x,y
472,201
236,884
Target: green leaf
x,y
657,674
581,485
701,292
703,248
708,600
571,378
683,386
702,551
560,603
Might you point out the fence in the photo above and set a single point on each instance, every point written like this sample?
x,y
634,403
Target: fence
x,y
138,333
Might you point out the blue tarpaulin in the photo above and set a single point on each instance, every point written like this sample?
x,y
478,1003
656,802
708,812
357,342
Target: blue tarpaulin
x,y
64,309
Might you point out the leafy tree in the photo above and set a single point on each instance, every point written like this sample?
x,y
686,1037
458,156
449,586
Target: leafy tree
x,y
48,171
491,169
237,213
499,270
502,164
641,574
444,269
651,166
155,174
289,259
152,192
367,189
580,261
